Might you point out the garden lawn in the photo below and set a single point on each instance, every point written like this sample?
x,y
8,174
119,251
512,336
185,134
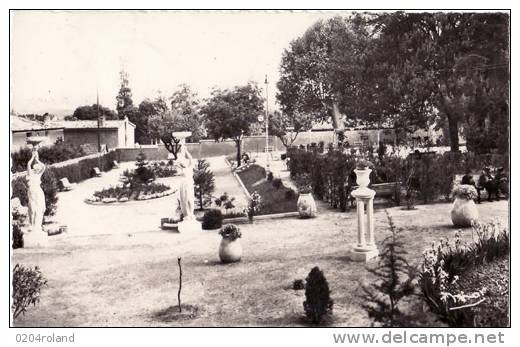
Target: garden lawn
x,y
273,200
130,279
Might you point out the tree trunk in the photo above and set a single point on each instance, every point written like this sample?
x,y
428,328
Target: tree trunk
x,y
336,117
239,154
200,201
453,127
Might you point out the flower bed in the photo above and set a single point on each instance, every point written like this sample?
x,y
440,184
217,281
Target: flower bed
x,y
447,276
162,169
124,193
274,200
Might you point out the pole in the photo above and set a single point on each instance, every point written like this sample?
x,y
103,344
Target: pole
x,y
98,122
266,128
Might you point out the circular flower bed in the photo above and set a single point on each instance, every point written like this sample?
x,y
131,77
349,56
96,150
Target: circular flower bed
x,y
124,193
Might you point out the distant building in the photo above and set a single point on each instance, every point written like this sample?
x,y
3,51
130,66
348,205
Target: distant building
x,y
112,133
22,128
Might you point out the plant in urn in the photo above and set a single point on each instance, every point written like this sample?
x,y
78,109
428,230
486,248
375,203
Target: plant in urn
x,y
363,173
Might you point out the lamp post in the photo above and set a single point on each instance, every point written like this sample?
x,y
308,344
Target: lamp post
x,y
98,122
266,128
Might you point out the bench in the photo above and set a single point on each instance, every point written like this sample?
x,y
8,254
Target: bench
x,y
64,184
383,190
96,172
268,149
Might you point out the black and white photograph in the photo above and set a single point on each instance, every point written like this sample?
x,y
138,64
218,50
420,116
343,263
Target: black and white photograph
x,y
253,168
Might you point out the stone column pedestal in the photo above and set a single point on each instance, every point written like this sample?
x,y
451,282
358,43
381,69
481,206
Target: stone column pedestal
x,y
189,226
365,249
35,239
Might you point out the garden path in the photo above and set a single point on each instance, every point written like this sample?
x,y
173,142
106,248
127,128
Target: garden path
x,y
131,217
225,182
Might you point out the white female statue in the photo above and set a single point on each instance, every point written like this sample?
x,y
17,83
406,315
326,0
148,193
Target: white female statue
x,y
36,198
186,192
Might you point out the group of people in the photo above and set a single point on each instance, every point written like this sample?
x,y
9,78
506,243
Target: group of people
x,y
492,184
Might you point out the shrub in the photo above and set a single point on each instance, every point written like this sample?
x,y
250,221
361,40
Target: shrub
x,y
47,154
161,170
298,284
212,219
50,190
27,284
225,201
17,235
317,296
142,174
204,181
230,232
290,194
49,186
394,282
270,176
255,204
277,183
303,182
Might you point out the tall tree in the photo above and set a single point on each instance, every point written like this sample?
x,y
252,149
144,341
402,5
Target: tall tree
x,y
146,110
287,126
432,58
186,105
230,113
91,113
322,71
125,104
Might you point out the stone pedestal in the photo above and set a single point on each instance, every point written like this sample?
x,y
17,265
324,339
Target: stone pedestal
x,y
364,249
35,239
189,226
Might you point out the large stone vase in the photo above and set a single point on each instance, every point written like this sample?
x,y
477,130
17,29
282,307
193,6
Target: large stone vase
x,y
463,212
306,206
363,177
230,251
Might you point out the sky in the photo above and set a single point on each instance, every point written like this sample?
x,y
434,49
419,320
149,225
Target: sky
x,y
61,59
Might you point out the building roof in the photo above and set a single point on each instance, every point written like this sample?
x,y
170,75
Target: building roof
x,y
18,124
91,124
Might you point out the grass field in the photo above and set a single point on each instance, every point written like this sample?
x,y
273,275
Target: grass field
x,y
132,279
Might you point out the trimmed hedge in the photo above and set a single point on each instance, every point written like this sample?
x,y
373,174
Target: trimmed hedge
x,y
83,169
76,172
427,176
48,155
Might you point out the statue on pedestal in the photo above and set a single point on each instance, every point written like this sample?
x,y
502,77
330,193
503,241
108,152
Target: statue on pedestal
x,y
36,202
187,191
